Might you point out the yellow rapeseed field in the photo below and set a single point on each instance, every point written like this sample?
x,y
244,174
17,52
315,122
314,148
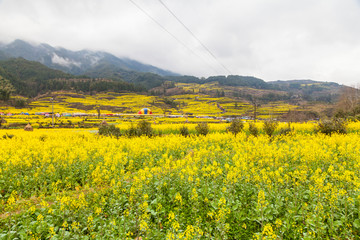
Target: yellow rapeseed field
x,y
76,184
130,103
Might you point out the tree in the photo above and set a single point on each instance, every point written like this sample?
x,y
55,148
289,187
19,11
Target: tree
x,y
254,101
236,126
202,128
270,127
98,109
349,101
6,88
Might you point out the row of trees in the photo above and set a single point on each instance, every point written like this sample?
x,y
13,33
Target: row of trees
x,y
143,127
231,80
270,128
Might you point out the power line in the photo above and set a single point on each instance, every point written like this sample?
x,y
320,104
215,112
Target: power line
x,y
178,40
203,45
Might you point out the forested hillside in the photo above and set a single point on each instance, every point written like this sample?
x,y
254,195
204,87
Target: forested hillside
x,y
31,78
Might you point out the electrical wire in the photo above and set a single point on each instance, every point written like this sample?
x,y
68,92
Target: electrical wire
x,y
177,39
192,34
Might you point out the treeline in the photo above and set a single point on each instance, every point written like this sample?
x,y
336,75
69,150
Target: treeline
x,y
80,85
231,80
151,80
110,71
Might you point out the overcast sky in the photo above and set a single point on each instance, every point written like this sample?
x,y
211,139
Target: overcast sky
x,y
269,39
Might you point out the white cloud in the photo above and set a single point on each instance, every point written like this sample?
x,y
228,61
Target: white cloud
x,y
278,39
63,61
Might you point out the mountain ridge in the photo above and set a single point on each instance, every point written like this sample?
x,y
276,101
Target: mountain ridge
x,y
73,62
100,64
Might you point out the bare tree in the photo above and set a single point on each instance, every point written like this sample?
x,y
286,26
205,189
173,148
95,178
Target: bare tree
x,y
349,100
255,103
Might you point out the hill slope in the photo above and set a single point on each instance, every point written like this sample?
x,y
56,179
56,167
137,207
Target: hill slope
x,y
75,62
32,78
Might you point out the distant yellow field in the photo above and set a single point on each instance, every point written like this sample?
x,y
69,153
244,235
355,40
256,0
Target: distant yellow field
x,y
196,104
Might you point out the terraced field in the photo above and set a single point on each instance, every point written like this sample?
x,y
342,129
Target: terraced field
x,y
131,103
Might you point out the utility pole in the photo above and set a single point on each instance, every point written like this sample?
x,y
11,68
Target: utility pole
x,y
98,110
52,110
255,107
255,104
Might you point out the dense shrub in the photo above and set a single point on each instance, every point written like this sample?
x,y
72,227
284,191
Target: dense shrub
x,y
2,121
202,128
109,130
285,131
8,136
253,130
132,131
335,125
236,126
270,127
184,131
144,128
20,103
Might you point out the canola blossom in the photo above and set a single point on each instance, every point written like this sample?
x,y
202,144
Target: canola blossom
x,y
64,184
193,104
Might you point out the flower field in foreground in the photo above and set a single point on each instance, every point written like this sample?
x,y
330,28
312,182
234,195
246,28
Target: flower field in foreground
x,y
64,184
